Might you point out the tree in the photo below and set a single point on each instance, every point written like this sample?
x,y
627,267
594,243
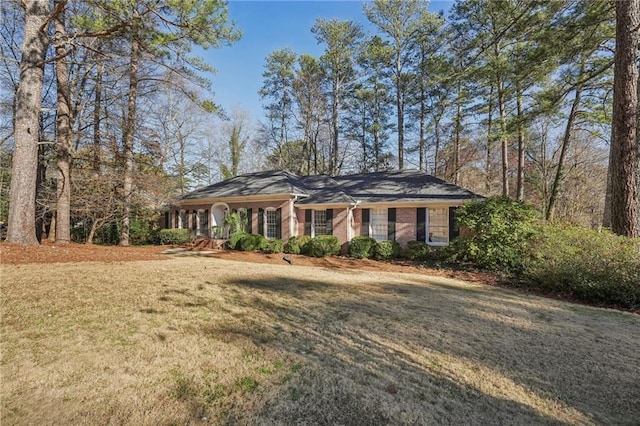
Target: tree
x,y
401,21
278,90
237,133
22,208
342,39
625,207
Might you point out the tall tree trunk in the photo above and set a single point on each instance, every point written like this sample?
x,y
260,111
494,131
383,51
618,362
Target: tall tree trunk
x,y
623,163
334,121
400,110
488,172
63,136
503,138
128,142
566,142
97,101
436,124
22,194
520,181
458,129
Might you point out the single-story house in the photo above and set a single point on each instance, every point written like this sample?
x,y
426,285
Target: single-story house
x,y
394,205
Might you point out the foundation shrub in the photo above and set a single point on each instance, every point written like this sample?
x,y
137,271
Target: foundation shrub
x,y
321,246
501,230
419,250
295,244
174,236
386,250
251,242
361,247
273,246
234,239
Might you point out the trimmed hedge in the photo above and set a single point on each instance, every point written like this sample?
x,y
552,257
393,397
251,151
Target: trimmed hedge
x,y
273,246
251,242
386,250
174,236
361,247
295,244
419,250
321,246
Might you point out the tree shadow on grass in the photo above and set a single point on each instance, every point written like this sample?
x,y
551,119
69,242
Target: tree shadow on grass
x,y
400,353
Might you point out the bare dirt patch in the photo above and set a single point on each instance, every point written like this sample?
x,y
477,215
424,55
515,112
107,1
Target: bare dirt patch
x,y
203,340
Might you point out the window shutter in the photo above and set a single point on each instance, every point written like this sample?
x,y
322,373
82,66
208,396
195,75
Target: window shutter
x,y
307,222
421,224
329,217
249,228
261,221
454,229
364,228
194,218
391,224
279,224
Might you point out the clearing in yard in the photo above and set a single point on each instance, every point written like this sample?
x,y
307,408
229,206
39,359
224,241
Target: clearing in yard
x,y
196,339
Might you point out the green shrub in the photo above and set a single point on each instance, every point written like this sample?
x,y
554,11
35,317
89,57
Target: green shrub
x,y
386,250
236,221
501,230
251,242
174,236
321,246
597,267
273,246
142,232
361,247
418,250
295,244
234,238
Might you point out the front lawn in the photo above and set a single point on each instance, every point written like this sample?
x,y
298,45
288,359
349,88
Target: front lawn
x,y
194,340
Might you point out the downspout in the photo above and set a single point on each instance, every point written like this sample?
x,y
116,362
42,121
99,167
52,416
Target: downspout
x,y
293,219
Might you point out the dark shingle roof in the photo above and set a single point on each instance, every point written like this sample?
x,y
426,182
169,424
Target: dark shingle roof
x,y
401,186
378,187
273,182
324,189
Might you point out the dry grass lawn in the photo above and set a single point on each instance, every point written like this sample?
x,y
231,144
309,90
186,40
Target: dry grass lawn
x,y
197,340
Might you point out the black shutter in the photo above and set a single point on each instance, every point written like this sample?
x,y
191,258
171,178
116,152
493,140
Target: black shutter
x,y
364,228
176,219
194,218
454,229
307,222
261,221
249,228
329,216
421,224
205,226
391,224
279,224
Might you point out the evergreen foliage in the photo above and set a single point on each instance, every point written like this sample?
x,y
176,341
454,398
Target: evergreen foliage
x,y
361,247
321,246
296,244
174,236
386,250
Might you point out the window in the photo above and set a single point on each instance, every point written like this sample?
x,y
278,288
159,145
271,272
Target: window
x,y
379,226
319,222
271,224
438,226
182,220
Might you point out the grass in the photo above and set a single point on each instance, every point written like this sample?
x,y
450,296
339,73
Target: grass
x,y
196,340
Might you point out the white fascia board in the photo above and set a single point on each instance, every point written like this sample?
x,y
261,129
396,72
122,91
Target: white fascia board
x,y
237,199
412,204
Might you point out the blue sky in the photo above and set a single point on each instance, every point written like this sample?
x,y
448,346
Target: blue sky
x,y
268,26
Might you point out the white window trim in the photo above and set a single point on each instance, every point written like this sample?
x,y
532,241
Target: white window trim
x,y
386,209
313,221
265,225
428,227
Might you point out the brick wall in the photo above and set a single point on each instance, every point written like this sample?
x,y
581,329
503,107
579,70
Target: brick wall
x,y
405,225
